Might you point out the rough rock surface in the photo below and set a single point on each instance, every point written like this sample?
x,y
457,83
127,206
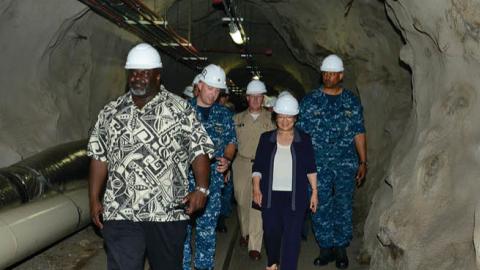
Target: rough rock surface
x,y
60,65
55,55
427,216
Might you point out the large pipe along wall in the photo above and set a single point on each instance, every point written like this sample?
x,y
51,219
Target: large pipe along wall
x,y
42,199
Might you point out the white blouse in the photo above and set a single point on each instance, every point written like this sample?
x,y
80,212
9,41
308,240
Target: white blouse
x,y
282,169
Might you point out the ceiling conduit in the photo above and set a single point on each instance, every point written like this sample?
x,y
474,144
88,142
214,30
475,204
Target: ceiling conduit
x,y
137,18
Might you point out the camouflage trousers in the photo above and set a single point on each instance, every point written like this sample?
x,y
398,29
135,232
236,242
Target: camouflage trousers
x,y
205,236
227,196
332,223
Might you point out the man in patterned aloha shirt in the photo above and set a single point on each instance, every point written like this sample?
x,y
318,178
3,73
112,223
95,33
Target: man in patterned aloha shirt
x,y
142,147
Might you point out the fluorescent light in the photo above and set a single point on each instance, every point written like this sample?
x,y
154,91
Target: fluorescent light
x,y
229,19
195,58
173,44
235,34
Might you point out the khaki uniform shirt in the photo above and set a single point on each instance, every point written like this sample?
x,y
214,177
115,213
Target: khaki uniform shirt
x,y
249,130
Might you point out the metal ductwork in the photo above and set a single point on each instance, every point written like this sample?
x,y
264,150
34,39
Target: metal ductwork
x,y
42,199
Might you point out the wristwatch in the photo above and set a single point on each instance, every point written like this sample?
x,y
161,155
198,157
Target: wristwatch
x,y
363,163
203,190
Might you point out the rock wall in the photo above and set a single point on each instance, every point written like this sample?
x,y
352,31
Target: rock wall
x,y
60,64
426,215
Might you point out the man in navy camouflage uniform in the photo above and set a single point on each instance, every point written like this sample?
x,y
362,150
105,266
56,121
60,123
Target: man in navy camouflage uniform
x,y
218,121
333,118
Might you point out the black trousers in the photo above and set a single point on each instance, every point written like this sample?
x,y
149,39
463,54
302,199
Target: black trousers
x,y
282,229
127,243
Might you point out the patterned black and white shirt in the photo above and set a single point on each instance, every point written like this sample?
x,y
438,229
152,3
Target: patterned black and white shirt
x,y
148,152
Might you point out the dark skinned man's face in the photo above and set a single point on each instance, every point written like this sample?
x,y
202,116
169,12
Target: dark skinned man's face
x,y
143,82
331,79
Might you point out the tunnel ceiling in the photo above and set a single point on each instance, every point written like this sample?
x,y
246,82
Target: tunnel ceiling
x,y
202,23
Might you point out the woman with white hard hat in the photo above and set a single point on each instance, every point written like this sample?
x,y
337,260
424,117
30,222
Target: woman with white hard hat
x,y
284,166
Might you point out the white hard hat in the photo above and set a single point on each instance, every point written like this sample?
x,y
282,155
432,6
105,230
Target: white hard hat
x,y
143,56
197,79
284,93
188,91
332,63
214,76
256,87
269,102
286,104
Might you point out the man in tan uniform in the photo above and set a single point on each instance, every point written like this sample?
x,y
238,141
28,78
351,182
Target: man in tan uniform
x,y
249,125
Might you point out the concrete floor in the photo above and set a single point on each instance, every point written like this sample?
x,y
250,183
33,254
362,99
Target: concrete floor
x,y
309,251
84,251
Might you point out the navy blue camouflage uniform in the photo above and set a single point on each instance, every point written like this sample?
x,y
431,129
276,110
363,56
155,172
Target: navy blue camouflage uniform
x,y
221,129
227,197
333,122
227,191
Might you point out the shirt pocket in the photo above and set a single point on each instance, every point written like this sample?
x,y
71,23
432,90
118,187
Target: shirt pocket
x,y
219,129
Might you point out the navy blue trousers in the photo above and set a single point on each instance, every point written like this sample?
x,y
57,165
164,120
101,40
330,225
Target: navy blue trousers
x,y
227,196
282,230
128,242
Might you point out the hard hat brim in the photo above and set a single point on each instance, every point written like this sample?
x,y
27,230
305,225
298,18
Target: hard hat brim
x,y
278,111
219,86
137,66
331,69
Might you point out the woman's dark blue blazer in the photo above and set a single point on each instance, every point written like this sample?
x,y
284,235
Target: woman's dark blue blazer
x,y
303,163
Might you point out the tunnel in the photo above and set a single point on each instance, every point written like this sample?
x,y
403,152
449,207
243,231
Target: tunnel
x,y
413,64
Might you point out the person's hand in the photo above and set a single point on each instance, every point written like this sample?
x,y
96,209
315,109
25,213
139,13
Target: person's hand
x,y
314,201
361,172
195,201
257,196
222,164
96,210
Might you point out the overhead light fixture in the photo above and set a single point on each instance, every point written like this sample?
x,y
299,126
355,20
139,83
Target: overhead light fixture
x,y
195,58
174,44
256,77
229,19
235,34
